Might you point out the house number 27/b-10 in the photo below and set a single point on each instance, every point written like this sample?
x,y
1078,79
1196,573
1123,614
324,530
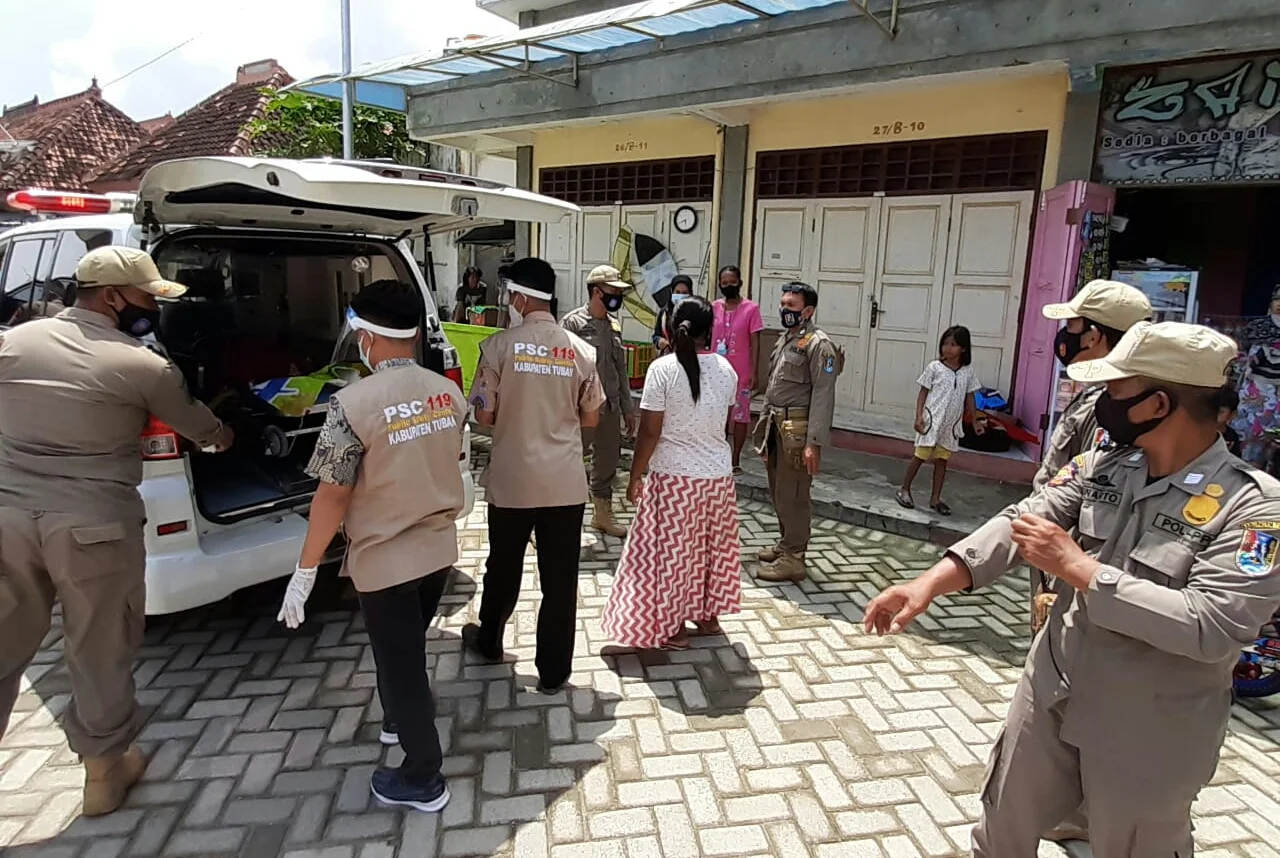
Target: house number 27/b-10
x,y
892,128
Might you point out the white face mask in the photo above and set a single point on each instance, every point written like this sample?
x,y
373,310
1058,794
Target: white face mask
x,y
515,317
364,353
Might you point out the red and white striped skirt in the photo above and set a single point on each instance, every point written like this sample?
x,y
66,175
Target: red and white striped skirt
x,y
680,562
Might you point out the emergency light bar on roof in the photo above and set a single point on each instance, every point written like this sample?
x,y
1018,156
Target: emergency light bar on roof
x,y
387,84
44,202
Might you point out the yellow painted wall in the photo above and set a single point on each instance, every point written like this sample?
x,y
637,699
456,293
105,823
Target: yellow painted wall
x,y
638,139
643,138
959,106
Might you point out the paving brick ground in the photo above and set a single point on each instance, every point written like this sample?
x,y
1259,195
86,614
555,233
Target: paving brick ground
x,y
794,735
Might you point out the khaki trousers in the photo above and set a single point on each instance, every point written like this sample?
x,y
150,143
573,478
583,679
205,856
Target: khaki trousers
x,y
789,487
96,569
605,442
1035,781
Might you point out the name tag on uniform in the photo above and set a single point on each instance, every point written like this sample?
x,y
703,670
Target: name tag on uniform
x,y
1101,494
539,359
418,418
1183,532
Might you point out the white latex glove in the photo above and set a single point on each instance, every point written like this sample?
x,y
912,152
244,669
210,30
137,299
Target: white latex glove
x,y
293,611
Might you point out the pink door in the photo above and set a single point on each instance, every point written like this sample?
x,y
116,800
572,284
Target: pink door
x,y
1055,261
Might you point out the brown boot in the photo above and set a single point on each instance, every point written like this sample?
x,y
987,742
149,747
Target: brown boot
x,y
788,568
107,780
768,555
603,521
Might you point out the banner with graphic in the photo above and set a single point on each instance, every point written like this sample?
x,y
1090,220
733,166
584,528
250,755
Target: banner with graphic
x,y
1191,123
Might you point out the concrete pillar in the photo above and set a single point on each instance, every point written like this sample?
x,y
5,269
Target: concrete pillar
x,y
524,181
733,197
1080,125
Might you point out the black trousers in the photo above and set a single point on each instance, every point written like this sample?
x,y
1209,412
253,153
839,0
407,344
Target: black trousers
x,y
559,532
397,619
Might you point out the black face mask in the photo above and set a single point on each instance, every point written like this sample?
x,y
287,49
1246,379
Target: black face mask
x,y
731,292
1067,346
612,303
137,321
1113,415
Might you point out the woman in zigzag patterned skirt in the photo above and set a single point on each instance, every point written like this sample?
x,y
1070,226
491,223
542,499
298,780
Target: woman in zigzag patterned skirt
x,y
680,564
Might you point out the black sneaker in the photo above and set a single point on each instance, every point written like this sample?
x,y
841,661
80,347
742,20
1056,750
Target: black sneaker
x,y
389,735
549,690
390,787
473,642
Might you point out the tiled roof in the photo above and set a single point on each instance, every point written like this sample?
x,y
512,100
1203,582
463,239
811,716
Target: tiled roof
x,y
215,126
70,137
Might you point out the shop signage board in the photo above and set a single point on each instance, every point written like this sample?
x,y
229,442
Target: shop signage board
x,y
1214,121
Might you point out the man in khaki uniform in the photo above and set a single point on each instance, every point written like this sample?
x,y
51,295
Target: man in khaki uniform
x,y
387,462
536,385
800,400
1127,692
75,394
1096,318
596,323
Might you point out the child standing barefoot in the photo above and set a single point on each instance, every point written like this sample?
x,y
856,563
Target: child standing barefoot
x,y
947,386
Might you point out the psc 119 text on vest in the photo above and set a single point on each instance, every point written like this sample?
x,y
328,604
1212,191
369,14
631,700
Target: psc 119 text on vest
x,y
414,408
539,350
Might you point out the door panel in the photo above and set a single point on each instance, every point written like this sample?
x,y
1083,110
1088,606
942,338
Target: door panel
x,y
689,249
781,232
556,241
913,242
987,255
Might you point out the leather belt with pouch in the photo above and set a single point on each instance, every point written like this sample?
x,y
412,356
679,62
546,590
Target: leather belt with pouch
x,y
792,425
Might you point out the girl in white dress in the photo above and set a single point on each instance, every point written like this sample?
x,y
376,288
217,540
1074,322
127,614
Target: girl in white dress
x,y
943,405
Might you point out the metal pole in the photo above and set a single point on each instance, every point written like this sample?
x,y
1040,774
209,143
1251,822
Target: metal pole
x,y
348,86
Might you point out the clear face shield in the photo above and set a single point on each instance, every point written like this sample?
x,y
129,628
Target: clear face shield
x,y
347,349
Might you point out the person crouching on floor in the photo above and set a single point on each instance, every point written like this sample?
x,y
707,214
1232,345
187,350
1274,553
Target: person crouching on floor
x,y
387,461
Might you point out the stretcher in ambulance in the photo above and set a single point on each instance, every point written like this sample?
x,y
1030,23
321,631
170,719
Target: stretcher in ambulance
x,y
271,252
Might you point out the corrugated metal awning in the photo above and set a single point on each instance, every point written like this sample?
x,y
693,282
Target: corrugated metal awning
x,y
536,50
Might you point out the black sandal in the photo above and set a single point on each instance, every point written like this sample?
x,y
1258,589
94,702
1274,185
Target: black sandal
x,y
904,500
940,508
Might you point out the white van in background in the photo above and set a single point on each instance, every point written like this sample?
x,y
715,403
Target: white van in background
x,y
271,252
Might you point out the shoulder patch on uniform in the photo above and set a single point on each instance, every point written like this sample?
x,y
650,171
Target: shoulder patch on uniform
x,y
1256,555
829,365
1066,473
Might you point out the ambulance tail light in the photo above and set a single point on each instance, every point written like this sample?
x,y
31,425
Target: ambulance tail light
x,y
454,375
159,441
60,203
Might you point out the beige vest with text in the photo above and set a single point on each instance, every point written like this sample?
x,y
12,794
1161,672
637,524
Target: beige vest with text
x,y
401,524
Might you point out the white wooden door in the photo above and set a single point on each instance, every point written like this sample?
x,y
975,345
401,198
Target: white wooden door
x,y
986,267
782,249
844,235
557,244
907,306
598,230
690,249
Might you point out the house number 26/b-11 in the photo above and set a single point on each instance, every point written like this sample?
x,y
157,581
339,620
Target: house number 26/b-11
x,y
892,128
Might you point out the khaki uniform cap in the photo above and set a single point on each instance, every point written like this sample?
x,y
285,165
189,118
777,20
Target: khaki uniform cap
x,y
125,266
607,275
1116,305
1173,352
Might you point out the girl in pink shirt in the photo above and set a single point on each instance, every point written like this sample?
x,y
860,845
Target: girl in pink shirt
x,y
736,337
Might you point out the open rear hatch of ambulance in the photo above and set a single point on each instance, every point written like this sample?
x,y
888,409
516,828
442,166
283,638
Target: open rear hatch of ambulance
x,y
363,198
272,252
